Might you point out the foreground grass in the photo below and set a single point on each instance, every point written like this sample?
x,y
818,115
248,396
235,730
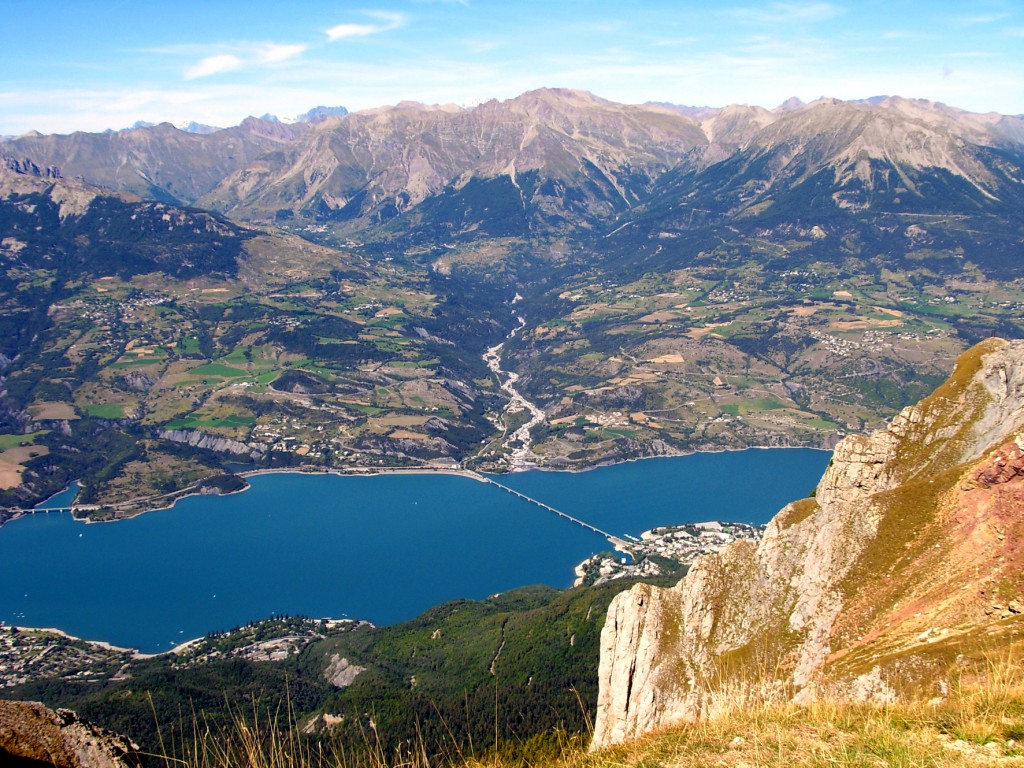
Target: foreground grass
x,y
981,724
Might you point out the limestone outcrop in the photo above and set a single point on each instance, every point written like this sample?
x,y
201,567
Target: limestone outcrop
x,y
32,734
198,439
909,551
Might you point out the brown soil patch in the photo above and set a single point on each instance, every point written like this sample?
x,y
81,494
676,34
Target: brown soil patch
x,y
668,359
857,325
12,461
803,311
10,474
658,317
888,311
403,421
404,434
56,411
633,378
698,333
564,420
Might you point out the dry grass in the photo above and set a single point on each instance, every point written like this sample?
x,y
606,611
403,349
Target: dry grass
x,y
979,723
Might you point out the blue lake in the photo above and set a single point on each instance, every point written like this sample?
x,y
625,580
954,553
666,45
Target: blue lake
x,y
381,548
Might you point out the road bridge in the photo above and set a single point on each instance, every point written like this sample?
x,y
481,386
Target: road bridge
x,y
71,509
618,543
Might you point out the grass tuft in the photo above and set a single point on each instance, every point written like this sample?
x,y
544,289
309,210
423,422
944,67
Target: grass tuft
x,y
980,722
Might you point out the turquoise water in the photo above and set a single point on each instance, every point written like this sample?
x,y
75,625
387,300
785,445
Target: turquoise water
x,y
380,548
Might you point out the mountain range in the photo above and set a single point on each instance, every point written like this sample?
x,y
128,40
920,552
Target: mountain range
x,y
687,278
360,169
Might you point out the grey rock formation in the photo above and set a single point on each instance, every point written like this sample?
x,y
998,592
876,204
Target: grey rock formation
x,y
32,734
199,439
341,673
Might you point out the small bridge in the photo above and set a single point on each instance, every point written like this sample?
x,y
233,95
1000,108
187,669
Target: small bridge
x,y
615,541
72,509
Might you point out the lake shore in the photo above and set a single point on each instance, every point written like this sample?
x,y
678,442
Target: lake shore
x,y
173,498
135,653
357,539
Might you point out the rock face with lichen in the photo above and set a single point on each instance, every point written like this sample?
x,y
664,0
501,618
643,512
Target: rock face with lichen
x,y
33,735
905,563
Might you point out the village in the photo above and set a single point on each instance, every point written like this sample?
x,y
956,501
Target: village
x,y
30,655
664,551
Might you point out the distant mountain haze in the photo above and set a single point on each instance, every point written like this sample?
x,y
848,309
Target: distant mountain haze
x,y
560,158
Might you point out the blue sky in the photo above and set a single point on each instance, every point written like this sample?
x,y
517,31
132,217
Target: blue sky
x,y
74,65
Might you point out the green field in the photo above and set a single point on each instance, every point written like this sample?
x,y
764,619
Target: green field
x,y
218,369
107,411
197,421
188,346
138,363
752,405
13,441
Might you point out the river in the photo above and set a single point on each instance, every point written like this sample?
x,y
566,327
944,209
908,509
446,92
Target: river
x,y
517,445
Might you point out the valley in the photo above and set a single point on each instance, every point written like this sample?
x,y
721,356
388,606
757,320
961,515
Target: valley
x,y
450,384
562,281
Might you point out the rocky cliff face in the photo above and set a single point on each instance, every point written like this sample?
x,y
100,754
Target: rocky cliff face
x,y
906,561
199,439
33,735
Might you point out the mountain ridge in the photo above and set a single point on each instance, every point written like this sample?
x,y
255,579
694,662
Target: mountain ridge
x,y
570,137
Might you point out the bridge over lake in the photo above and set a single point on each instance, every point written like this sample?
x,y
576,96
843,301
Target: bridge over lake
x,y
72,509
617,542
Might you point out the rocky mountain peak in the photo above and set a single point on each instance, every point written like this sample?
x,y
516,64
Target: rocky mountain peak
x,y
869,147
316,114
905,558
736,124
572,97
790,104
191,126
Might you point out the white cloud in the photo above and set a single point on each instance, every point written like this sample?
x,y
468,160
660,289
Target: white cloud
x,y
982,19
245,55
342,31
213,65
345,31
273,53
